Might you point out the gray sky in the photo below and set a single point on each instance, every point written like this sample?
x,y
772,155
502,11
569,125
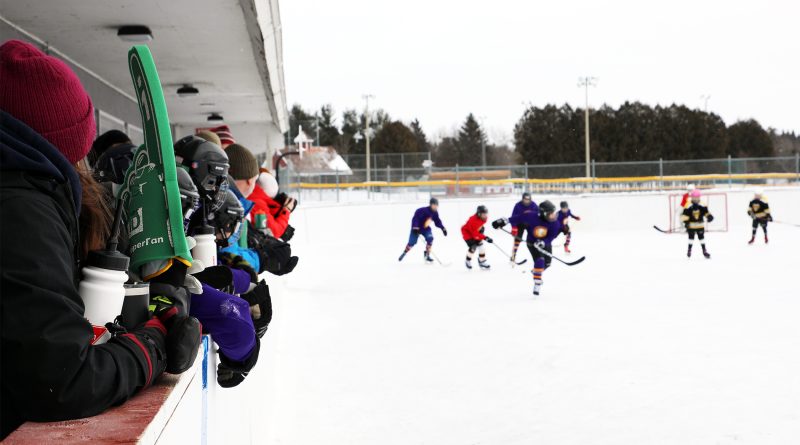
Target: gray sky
x,y
438,60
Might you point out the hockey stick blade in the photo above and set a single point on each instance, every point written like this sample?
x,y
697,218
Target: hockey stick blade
x,y
663,231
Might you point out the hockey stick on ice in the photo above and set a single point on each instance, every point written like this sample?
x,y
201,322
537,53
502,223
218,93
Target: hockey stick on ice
x,y
518,263
438,260
545,252
787,223
665,231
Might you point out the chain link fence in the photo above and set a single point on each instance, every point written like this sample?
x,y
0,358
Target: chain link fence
x,y
406,174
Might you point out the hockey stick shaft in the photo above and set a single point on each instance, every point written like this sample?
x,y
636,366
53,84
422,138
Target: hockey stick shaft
x,y
545,252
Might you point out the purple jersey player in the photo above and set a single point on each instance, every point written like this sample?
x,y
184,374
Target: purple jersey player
x,y
420,225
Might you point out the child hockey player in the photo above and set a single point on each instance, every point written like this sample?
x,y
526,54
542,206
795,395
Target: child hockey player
x,y
543,227
693,218
759,211
474,237
525,205
420,225
564,215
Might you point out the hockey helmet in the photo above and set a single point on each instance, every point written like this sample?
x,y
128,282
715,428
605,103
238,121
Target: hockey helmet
x,y
112,165
208,167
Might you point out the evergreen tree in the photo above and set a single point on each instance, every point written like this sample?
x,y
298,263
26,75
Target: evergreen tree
x,y
470,142
395,137
328,133
749,139
419,134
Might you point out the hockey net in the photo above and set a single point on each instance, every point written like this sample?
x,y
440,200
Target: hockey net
x,y
717,204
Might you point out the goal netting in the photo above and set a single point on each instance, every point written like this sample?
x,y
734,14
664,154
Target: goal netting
x,y
717,204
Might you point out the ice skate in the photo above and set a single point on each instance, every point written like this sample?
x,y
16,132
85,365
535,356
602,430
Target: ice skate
x,y
484,264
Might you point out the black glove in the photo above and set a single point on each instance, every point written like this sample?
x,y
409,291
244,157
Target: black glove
x,y
237,262
231,373
489,240
184,333
288,233
499,223
444,231
415,231
769,217
218,277
151,343
710,217
281,198
260,307
276,257
539,244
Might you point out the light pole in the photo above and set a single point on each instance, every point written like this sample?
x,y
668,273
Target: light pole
x,y
367,97
483,143
705,98
586,82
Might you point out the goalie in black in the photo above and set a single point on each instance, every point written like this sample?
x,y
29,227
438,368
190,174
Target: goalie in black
x,y
694,218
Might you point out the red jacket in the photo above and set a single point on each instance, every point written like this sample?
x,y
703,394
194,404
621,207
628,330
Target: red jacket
x,y
473,229
277,216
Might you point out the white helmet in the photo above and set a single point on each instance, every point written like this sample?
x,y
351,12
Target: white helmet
x,y
759,192
268,183
690,187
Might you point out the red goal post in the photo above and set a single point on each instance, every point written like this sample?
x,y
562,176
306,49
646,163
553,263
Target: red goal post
x,y
717,204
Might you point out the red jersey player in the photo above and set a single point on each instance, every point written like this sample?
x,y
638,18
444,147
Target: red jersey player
x,y
473,235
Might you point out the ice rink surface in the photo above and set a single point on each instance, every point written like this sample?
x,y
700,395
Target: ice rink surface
x,y
637,345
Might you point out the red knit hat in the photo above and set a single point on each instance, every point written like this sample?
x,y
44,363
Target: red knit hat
x,y
44,93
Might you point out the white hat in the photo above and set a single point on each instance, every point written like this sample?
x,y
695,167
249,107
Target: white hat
x,y
268,183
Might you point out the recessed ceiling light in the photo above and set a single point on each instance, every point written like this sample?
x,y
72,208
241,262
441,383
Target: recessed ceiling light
x,y
135,33
187,90
215,117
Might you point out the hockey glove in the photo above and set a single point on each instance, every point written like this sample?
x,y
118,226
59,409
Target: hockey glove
x,y
769,217
231,373
489,240
710,217
514,230
276,257
184,333
237,262
260,307
499,223
218,277
539,244
444,231
147,341
288,233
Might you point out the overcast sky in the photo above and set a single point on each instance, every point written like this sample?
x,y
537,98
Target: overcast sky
x,y
438,60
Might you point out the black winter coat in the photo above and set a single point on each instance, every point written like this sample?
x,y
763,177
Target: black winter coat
x,y
49,369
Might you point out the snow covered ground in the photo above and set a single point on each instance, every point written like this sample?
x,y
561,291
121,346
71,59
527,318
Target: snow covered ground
x,y
636,345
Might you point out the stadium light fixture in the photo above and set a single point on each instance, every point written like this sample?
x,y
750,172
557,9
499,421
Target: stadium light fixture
x,y
187,90
135,33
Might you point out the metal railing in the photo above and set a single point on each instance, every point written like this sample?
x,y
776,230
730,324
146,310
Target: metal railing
x,y
560,178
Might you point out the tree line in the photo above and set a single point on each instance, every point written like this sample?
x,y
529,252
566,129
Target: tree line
x,y
553,134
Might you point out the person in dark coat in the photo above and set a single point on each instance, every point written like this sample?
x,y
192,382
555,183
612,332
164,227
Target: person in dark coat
x,y
50,370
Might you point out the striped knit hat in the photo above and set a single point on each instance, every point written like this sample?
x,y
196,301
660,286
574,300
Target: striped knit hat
x,y
225,135
45,94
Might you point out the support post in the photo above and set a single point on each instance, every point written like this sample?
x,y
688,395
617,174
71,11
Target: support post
x,y
525,189
730,172
661,173
458,187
